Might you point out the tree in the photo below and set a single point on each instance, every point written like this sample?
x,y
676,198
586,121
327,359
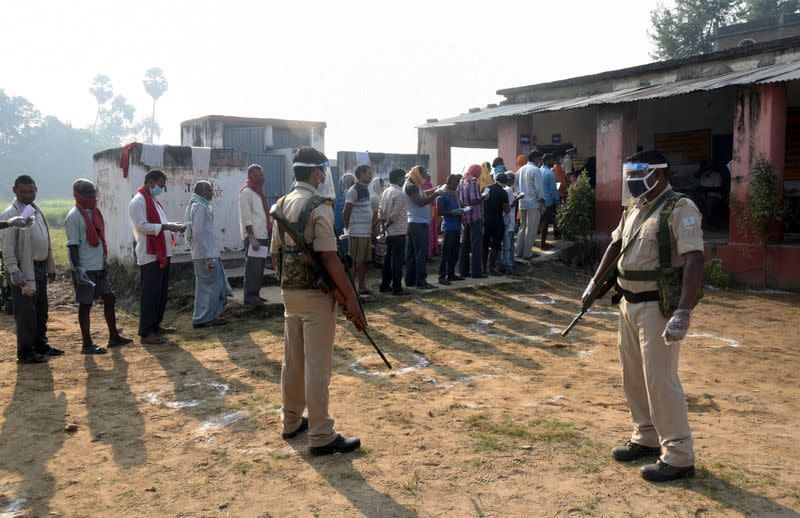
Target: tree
x,y
688,28
102,90
155,84
18,120
116,122
758,9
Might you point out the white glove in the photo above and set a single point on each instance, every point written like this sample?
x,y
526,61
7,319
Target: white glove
x,y
20,222
678,326
18,279
588,290
81,277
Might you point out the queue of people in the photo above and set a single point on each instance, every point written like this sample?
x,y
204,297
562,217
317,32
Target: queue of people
x,y
477,212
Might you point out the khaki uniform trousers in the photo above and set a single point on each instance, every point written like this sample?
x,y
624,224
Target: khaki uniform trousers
x,y
528,231
650,380
309,327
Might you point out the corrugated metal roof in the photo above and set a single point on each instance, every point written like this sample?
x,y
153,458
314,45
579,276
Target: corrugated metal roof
x,y
767,74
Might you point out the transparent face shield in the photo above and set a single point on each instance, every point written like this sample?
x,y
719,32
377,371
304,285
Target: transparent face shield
x,y
326,188
639,184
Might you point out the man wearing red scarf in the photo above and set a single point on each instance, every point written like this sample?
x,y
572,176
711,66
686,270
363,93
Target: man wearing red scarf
x,y
256,230
154,242
86,241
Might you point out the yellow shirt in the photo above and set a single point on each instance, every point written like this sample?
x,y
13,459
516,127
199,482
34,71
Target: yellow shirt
x,y
685,233
319,230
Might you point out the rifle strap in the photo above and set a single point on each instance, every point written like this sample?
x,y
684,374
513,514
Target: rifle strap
x,y
664,242
614,264
300,225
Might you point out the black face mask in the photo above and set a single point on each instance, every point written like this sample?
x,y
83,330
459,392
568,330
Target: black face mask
x,y
638,187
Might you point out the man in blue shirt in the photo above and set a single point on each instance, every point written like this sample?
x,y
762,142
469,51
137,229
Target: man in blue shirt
x,y
551,198
448,207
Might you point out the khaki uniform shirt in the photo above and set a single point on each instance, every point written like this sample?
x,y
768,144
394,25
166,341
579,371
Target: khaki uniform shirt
x,y
685,233
319,231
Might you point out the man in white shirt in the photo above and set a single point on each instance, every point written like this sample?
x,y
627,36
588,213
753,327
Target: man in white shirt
x,y
532,204
28,260
256,229
153,233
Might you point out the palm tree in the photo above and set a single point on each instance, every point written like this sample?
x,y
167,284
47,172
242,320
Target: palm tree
x,y
155,84
102,90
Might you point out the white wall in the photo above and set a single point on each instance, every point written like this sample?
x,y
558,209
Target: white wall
x,y
577,127
115,193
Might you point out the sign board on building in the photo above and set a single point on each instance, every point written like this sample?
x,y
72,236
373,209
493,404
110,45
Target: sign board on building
x,y
685,147
524,140
556,138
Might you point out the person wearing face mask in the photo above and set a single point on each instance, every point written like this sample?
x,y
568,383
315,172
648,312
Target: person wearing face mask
x,y
256,229
154,242
211,287
86,242
310,313
650,329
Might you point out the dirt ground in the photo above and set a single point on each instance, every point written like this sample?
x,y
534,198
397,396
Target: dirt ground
x,y
489,412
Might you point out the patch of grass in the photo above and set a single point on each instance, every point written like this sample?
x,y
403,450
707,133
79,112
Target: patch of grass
x,y
495,436
240,467
58,243
507,433
55,211
412,483
553,430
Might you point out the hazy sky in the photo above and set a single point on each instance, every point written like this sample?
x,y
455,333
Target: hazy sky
x,y
372,70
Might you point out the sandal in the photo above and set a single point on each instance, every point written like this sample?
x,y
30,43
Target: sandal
x,y
93,349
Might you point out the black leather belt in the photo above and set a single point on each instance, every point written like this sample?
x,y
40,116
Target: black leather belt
x,y
636,298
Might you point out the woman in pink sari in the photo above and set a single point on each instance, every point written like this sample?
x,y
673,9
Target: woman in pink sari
x,y
433,226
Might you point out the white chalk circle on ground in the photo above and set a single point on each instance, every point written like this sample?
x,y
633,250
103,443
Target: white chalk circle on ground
x,y
199,393
602,313
417,362
552,330
769,292
727,342
12,508
223,420
543,300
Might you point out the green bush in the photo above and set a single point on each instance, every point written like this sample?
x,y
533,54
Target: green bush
x,y
714,275
763,206
575,220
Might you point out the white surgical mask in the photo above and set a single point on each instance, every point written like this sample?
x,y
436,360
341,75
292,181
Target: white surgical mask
x,y
155,191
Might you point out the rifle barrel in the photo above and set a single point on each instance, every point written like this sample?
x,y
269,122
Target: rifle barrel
x,y
573,323
380,353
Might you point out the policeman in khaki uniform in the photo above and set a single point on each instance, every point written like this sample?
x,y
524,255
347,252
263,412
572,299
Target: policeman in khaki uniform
x,y
310,319
649,340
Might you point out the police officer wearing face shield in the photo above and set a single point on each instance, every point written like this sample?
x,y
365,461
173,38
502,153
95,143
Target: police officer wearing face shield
x,y
649,340
310,314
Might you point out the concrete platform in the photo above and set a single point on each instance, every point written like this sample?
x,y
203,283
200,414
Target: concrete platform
x,y
273,293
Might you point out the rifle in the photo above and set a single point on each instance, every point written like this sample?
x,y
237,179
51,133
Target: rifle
x,y
324,280
607,281
609,278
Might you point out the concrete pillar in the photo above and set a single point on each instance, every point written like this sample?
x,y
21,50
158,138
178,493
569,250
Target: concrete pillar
x,y
435,142
509,131
617,133
759,127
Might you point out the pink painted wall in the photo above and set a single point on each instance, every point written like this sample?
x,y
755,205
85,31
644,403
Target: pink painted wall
x,y
442,166
759,127
508,133
616,139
